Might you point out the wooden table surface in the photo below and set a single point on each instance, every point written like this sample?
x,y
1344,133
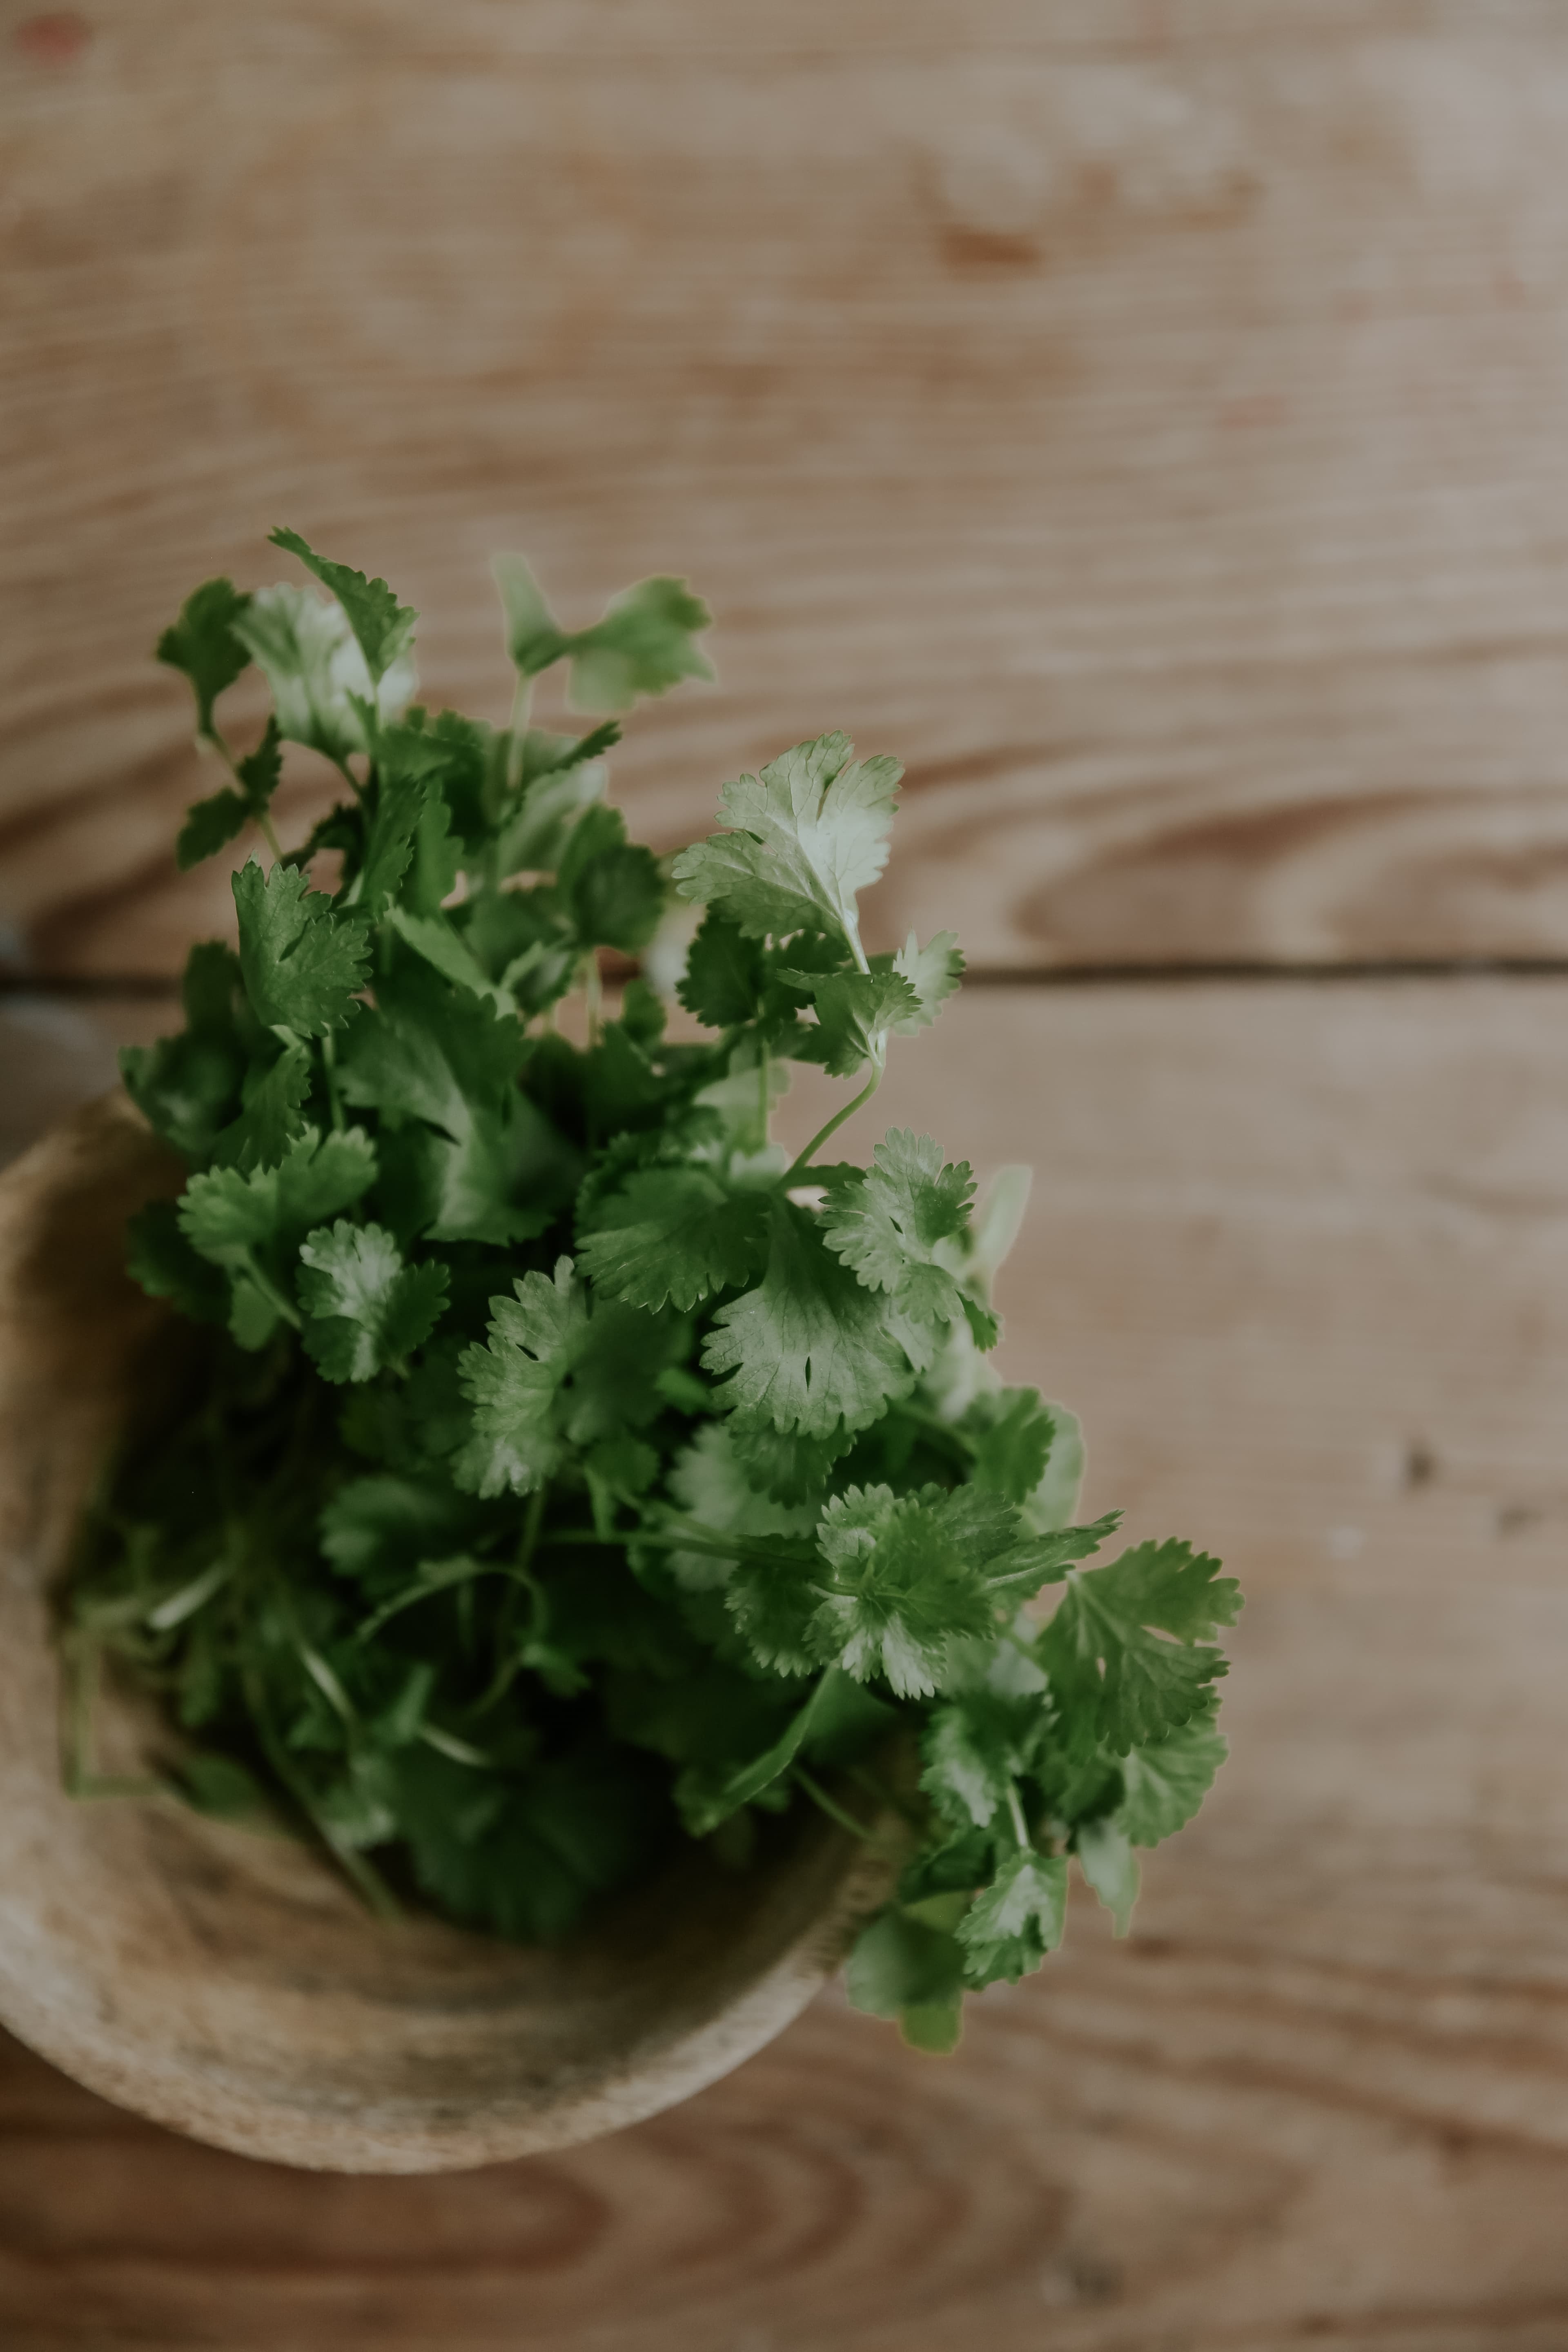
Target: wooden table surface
x,y
1146,416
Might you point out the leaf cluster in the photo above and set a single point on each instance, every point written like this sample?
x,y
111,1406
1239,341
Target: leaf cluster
x,y
569,1472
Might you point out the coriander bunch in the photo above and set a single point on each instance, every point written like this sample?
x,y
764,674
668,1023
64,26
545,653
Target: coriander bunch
x,y
565,1471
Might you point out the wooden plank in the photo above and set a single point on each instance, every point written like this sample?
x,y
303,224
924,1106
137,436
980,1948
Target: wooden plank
x,y
1143,417
1300,1256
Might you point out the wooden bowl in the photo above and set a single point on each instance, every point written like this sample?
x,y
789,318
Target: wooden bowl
x,y
228,1984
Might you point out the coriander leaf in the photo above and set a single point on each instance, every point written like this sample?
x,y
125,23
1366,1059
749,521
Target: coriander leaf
x,y
973,1751
445,951
612,892
209,826
159,1256
855,1011
213,822
533,838
202,644
897,1214
675,1235
384,627
1110,1866
807,833
532,639
1166,1781
905,1579
499,1181
432,1051
899,1964
364,1308
320,685
932,972
786,1467
1119,1682
224,1211
722,982
1010,1928
535,1339
303,966
1010,1433
645,645
807,1349
270,1116
187,1086
1171,1586
770,1593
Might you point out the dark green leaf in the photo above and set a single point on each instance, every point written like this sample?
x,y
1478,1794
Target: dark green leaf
x,y
202,643
384,627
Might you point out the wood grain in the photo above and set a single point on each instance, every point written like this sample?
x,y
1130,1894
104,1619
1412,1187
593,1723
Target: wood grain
x,y
1299,1255
1144,416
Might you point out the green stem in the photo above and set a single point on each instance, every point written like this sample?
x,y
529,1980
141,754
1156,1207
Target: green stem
x,y
835,1813
270,1292
517,731
793,1173
330,1072
593,995
1020,1827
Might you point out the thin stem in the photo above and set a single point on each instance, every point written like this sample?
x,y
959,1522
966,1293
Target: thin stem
x,y
270,1292
764,1103
835,1813
258,816
330,1072
593,995
793,1173
1020,1827
517,731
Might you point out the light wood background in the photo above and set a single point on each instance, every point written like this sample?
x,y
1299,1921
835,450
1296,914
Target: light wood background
x,y
1149,417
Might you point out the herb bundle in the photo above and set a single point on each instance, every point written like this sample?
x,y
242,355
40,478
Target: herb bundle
x,y
565,1471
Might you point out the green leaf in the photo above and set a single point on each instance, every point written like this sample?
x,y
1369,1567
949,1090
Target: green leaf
x,y
906,1579
1110,1866
897,1215
321,686
855,1013
224,1211
188,1087
202,644
934,972
159,1256
366,1310
675,1235
532,639
786,1465
1166,1781
808,1349
432,937
513,1382
1009,1929
384,627
303,966
613,893
1010,1433
645,643
270,1119
709,1481
973,1751
899,1964
1118,1680
808,834
210,825
722,982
